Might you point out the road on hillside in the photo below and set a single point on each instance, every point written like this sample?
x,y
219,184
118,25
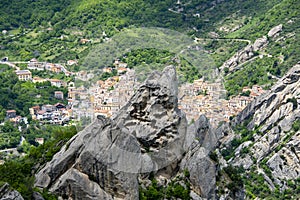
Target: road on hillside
x,y
10,64
219,39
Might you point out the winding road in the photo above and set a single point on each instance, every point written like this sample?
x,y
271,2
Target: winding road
x,y
219,39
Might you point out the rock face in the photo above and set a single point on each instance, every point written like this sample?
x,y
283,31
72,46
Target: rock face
x,y
250,51
103,161
275,116
239,58
260,43
201,168
276,110
285,164
8,194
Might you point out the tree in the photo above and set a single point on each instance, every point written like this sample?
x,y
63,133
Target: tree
x,y
8,127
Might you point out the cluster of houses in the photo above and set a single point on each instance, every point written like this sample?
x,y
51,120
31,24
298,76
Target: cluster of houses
x,y
107,97
34,64
54,82
104,97
12,116
53,114
202,97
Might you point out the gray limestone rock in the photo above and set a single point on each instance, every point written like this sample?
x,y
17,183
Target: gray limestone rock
x,y
201,131
260,43
202,172
201,168
285,164
110,157
6,193
103,161
273,115
275,30
37,196
274,106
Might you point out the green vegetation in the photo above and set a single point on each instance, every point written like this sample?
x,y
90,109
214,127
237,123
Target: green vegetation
x,y
256,186
223,49
19,173
9,140
148,56
296,125
234,174
230,177
106,75
173,190
213,155
243,135
253,73
294,102
20,96
144,61
54,30
283,51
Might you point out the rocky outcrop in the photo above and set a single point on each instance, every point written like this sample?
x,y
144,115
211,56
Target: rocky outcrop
x,y
239,58
250,51
275,145
111,157
6,193
276,110
149,135
285,164
201,168
275,31
103,161
260,43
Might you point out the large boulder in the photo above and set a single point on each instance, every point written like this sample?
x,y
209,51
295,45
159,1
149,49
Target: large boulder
x,y
275,30
103,161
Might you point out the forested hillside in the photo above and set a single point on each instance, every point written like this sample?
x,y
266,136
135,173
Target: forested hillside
x,y
52,30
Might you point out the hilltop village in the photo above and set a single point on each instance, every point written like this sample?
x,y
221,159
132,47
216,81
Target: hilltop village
x,y
106,97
